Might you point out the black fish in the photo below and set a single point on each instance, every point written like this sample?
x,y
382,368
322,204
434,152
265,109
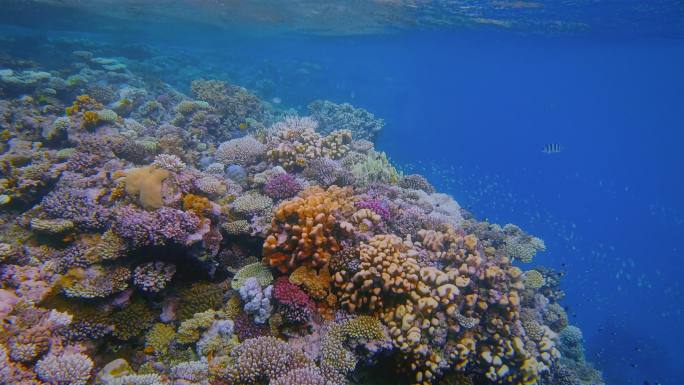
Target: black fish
x,y
553,148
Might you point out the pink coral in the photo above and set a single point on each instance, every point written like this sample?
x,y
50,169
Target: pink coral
x,y
296,304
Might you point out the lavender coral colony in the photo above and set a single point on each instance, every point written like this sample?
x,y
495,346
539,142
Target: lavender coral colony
x,y
155,236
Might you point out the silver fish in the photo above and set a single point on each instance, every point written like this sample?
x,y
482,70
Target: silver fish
x,y
553,148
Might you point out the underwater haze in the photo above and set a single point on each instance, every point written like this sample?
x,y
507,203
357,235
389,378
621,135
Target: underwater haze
x,y
210,192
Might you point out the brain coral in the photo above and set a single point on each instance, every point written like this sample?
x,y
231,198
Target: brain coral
x,y
306,230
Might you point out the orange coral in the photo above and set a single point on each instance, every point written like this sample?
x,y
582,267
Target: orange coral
x,y
145,183
82,103
305,230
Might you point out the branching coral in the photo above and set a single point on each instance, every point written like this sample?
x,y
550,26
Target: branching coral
x,y
331,116
294,143
521,246
65,369
261,359
153,277
243,151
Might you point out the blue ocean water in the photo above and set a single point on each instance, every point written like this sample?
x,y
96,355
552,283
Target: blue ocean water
x,y
471,105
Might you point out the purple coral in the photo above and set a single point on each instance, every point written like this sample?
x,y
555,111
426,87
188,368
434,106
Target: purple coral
x,y
77,205
324,171
377,206
144,228
66,368
282,186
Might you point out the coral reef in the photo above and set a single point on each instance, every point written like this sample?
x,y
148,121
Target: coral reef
x,y
152,237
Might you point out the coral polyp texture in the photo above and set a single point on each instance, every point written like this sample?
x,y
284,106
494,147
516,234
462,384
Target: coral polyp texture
x,y
153,237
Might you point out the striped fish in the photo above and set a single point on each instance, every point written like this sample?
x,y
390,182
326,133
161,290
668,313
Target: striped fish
x,y
553,148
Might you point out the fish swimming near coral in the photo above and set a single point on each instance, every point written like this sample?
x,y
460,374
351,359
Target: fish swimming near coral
x,y
553,148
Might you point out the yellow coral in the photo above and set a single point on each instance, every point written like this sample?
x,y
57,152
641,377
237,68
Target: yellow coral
x,y
315,283
197,204
159,338
533,279
90,118
145,183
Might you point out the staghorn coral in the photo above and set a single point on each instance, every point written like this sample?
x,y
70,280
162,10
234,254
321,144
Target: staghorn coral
x,y
76,205
165,225
169,162
305,229
295,305
95,281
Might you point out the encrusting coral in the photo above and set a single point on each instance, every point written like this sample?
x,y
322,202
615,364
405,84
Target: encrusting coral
x,y
213,238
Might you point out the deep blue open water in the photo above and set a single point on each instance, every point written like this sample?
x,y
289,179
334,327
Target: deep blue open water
x,y
471,106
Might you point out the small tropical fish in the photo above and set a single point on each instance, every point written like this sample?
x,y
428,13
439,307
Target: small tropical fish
x,y
553,148
276,100
243,126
